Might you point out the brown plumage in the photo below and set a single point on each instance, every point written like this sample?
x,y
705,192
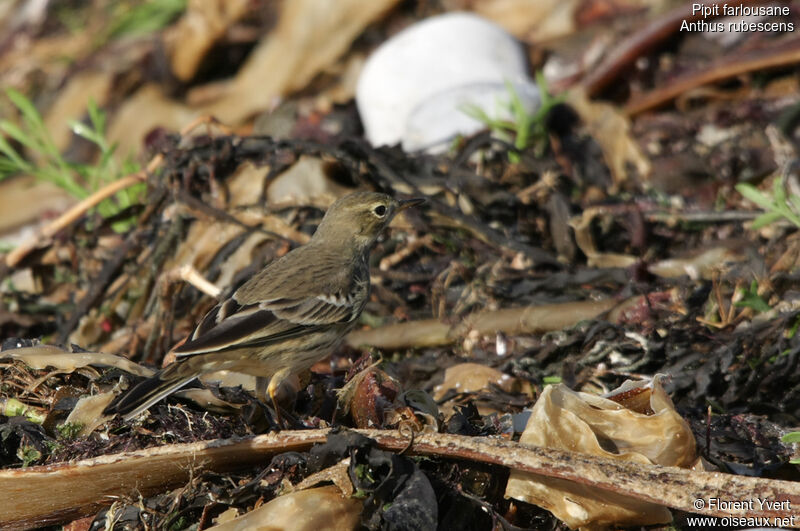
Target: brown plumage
x,y
289,315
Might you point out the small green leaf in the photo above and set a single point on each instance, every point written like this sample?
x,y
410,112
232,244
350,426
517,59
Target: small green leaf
x,y
755,195
147,17
69,430
12,130
97,117
751,299
28,455
25,106
475,111
83,130
778,192
13,156
765,219
791,437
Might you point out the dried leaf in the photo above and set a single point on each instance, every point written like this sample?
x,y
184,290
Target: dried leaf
x,y
44,356
306,510
580,422
469,378
310,36
611,129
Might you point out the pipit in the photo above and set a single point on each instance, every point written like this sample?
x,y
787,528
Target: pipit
x,y
289,315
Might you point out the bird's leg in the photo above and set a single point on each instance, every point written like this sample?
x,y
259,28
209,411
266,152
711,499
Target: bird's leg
x,y
272,389
262,391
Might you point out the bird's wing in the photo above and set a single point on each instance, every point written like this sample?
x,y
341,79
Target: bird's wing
x,y
232,324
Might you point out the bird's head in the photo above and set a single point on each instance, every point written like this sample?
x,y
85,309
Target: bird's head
x,y
360,217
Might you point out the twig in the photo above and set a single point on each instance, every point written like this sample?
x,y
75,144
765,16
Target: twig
x,y
701,216
414,243
192,276
783,54
641,42
208,121
43,495
447,216
73,214
99,284
525,320
221,215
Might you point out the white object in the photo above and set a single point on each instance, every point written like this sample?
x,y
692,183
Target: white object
x,y
414,86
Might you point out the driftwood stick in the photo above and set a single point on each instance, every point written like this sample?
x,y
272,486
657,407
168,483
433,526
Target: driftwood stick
x,y
48,494
525,320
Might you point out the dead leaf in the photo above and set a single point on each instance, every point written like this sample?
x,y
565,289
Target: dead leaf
x,y
88,412
531,20
470,378
611,129
44,356
203,23
584,238
143,112
310,36
305,510
703,263
305,183
580,422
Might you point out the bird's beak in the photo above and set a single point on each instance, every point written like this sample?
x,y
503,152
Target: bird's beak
x,y
406,203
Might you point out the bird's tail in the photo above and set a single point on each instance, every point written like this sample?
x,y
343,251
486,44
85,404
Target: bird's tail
x,y
148,392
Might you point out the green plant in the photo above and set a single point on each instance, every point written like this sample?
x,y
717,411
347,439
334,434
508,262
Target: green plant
x,y
523,128
12,407
790,333
52,446
34,137
792,437
181,522
134,19
79,180
28,455
751,299
120,18
778,205
69,430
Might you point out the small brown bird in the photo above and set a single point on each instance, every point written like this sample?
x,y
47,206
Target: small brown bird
x,y
287,317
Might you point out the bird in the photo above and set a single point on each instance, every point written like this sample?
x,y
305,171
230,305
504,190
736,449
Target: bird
x,y
289,315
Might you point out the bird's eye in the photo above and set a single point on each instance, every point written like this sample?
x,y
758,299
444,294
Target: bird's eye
x,y
380,211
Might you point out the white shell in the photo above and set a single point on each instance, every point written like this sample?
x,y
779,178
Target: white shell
x,y
412,87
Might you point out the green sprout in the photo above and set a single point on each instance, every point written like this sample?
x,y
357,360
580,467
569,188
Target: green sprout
x,y
751,299
122,18
79,180
792,437
69,430
523,128
28,455
132,19
777,206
